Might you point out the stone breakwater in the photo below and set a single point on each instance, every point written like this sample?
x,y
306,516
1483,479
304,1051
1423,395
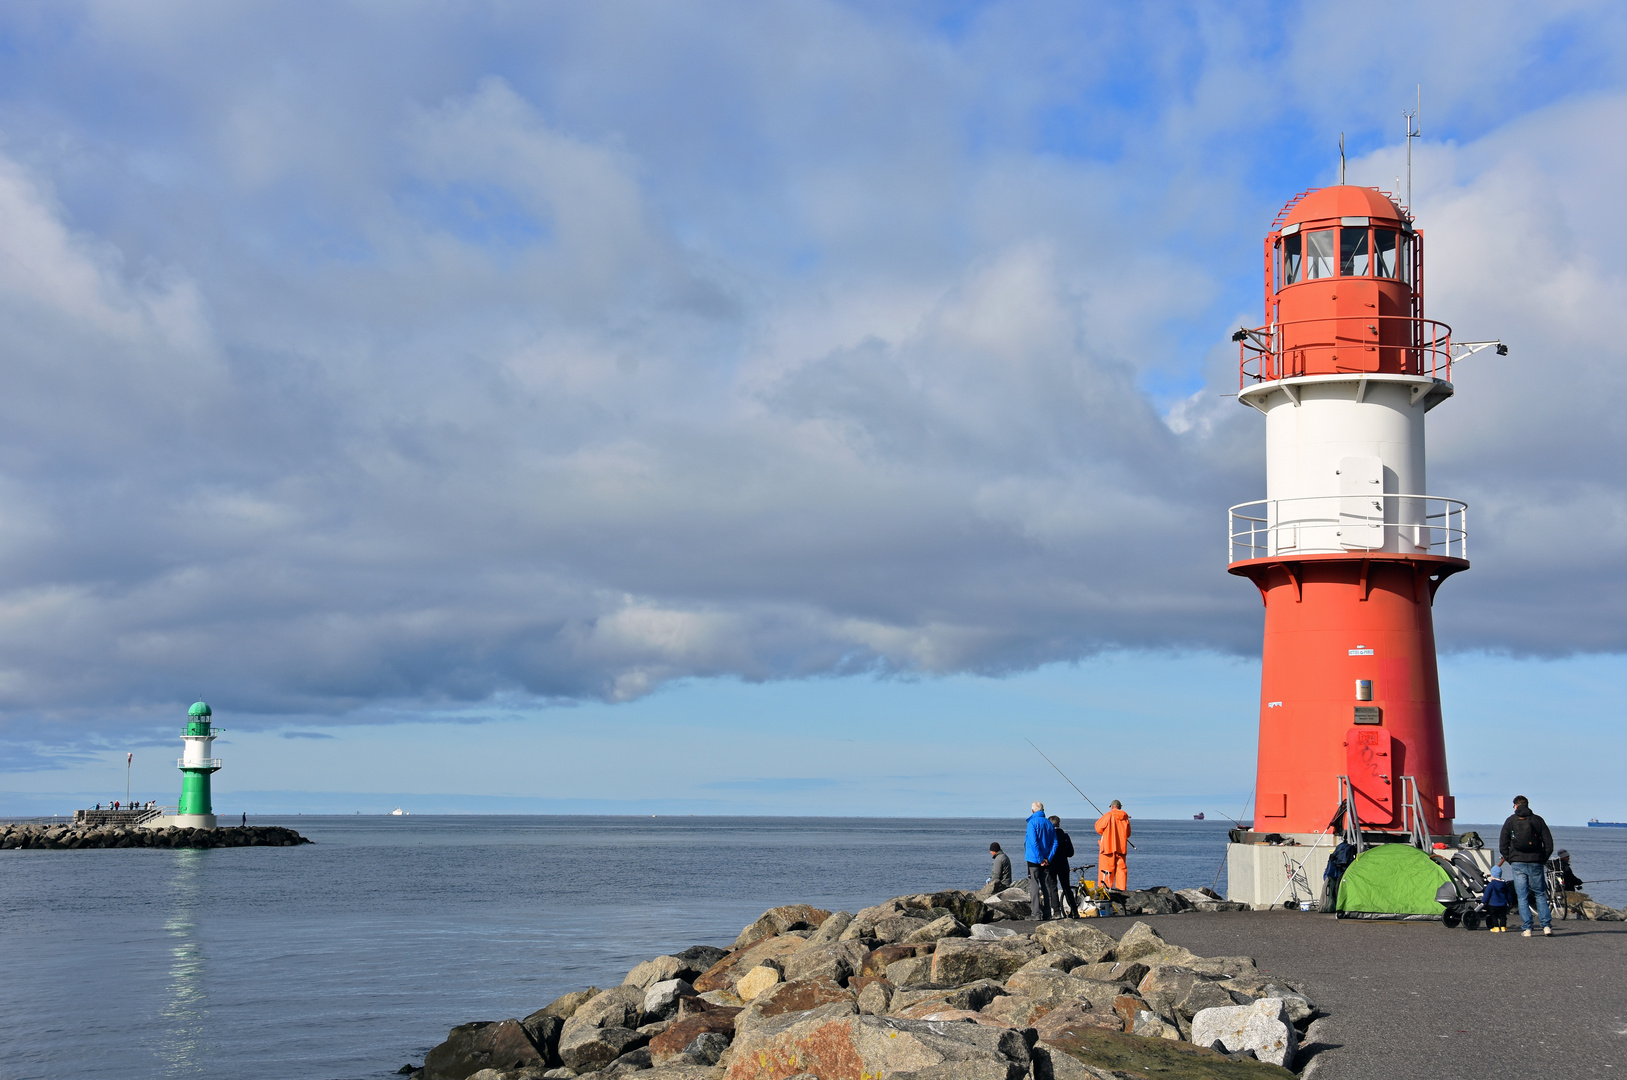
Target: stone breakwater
x,y
927,987
68,837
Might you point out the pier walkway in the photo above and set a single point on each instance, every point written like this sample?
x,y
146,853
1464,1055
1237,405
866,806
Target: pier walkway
x,y
1418,1000
124,816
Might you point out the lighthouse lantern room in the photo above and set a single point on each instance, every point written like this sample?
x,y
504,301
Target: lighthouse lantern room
x,y
1348,548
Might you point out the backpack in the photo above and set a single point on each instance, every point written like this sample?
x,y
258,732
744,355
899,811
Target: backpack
x,y
1524,836
1334,873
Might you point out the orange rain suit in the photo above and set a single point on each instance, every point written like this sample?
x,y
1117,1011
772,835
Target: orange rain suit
x,y
1114,827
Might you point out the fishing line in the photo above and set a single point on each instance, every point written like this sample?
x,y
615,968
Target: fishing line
x,y
1073,785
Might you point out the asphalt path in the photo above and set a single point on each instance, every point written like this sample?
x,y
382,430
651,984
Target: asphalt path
x,y
1406,1000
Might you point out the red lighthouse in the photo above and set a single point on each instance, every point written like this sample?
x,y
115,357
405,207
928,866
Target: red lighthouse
x,y
1348,549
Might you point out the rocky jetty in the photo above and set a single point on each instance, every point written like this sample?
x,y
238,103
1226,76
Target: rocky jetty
x,y
67,837
1583,906
1012,903
923,986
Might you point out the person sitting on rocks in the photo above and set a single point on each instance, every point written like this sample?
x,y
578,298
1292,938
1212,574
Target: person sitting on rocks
x,y
1000,876
1566,874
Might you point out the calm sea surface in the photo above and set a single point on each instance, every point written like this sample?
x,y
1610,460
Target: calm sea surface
x,y
352,956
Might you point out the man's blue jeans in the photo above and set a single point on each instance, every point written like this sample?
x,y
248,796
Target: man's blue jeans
x,y
1528,880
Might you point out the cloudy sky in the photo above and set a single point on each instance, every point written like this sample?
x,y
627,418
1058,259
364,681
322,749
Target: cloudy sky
x,y
759,407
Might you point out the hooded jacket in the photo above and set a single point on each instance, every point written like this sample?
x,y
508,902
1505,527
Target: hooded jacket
x,y
1040,845
1514,826
1114,827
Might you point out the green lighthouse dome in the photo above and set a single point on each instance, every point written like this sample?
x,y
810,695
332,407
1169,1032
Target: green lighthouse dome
x,y
200,709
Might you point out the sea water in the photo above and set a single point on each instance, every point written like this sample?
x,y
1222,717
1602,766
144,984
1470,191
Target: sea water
x,y
352,956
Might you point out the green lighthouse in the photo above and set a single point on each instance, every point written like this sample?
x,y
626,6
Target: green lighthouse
x,y
197,765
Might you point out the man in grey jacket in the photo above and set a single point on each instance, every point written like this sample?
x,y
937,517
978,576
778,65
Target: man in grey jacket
x,y
1525,843
1000,875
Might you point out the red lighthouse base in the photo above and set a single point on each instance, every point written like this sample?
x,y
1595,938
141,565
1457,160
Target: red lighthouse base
x,y
1332,621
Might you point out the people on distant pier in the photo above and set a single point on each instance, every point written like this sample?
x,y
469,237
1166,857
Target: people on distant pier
x,y
1113,871
1060,885
1039,848
1526,843
999,874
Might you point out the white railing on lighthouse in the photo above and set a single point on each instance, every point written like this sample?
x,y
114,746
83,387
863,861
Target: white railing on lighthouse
x,y
1342,524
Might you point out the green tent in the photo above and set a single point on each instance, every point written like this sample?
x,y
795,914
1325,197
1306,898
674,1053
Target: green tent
x,y
1391,881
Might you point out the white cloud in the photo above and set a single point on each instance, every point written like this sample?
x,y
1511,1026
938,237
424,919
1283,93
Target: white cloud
x,y
806,341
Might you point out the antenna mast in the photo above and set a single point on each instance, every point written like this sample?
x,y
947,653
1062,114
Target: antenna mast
x,y
1411,135
1341,158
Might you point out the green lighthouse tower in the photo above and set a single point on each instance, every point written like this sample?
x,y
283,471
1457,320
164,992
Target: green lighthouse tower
x,y
197,765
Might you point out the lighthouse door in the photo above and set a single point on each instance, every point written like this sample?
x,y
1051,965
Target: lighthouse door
x,y
1369,762
1361,503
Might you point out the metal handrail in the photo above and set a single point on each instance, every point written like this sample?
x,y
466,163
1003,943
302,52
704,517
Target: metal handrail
x,y
1439,526
201,763
1413,820
1264,356
1352,826
123,815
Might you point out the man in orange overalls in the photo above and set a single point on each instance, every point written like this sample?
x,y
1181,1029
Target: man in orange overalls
x,y
1114,827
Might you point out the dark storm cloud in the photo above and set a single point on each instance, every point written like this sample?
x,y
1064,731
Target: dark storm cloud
x,y
375,365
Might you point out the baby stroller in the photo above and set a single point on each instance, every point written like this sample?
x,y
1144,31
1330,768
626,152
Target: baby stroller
x,y
1464,893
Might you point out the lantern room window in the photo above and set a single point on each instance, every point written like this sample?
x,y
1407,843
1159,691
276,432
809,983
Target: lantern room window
x,y
1291,262
1318,254
1385,248
1353,252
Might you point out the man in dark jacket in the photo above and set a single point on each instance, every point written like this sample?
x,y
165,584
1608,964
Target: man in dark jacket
x,y
1000,875
1059,871
1039,849
1526,843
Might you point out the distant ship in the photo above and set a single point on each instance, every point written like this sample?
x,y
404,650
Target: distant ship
x,y
1595,823
398,812
1197,817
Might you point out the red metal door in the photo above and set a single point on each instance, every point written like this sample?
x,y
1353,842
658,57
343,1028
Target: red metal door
x,y
1370,766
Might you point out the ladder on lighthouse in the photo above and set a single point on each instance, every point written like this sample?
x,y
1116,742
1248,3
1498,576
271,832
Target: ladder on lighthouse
x,y
1413,822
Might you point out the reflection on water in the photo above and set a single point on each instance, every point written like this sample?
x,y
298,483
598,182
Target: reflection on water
x,y
181,1044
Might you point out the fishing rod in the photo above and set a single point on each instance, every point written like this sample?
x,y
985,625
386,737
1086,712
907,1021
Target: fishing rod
x,y
1073,785
1238,821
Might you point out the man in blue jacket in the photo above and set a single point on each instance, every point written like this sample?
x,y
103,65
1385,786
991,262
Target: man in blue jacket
x,y
1040,849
